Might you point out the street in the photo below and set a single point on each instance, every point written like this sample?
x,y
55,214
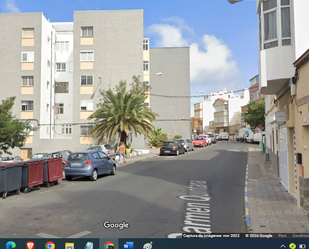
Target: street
x,y
201,191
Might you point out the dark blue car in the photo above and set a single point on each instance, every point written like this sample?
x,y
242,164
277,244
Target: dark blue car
x,y
89,163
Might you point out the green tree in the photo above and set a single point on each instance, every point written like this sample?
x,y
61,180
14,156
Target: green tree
x,y
121,111
13,131
254,116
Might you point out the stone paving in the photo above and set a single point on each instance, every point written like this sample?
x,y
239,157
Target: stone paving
x,y
271,208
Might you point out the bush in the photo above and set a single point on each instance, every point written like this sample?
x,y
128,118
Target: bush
x,y
157,141
177,137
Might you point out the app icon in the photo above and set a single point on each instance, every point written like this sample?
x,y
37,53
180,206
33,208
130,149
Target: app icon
x,y
30,245
69,245
89,245
292,246
10,245
148,245
302,246
50,245
109,245
128,245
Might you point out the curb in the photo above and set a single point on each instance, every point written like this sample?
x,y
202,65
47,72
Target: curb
x,y
247,214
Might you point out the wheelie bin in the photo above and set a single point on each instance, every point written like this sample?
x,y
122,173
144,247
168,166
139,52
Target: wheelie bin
x,y
32,175
10,178
52,171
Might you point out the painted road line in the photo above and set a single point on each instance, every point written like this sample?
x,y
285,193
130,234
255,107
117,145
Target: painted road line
x,y
247,214
78,235
45,192
46,235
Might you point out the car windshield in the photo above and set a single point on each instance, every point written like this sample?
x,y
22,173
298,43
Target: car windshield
x,y
167,143
37,156
4,159
107,146
211,135
78,157
181,141
198,138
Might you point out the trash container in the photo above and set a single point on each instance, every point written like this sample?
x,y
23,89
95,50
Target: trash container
x,y
10,178
32,175
52,171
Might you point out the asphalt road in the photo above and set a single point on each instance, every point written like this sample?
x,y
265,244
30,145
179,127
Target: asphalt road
x,y
201,191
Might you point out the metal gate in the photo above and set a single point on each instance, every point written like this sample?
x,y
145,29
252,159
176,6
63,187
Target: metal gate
x,y
283,157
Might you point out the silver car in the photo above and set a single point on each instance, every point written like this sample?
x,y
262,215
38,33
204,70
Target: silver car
x,y
106,148
187,144
212,137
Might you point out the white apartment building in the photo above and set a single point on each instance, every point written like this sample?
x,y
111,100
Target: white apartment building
x,y
283,38
56,70
235,101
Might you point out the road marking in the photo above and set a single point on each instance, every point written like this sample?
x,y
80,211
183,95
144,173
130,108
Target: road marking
x,y
78,235
45,192
69,185
46,235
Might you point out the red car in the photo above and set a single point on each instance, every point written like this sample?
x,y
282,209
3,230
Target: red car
x,y
200,141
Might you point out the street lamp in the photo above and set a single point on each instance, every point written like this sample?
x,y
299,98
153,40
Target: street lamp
x,y
96,88
234,1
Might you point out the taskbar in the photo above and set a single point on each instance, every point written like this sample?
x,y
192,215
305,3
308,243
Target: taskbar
x,y
189,240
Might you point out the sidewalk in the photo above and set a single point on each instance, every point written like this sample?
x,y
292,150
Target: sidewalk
x,y
152,153
269,208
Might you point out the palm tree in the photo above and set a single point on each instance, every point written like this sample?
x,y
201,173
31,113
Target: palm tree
x,y
121,112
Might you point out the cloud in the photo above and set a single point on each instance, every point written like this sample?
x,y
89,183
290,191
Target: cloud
x,y
214,63
211,61
168,35
11,6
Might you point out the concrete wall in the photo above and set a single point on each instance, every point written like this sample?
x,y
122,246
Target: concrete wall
x,y
173,63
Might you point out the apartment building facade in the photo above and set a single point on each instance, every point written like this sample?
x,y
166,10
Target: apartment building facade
x,y
56,71
198,127
283,39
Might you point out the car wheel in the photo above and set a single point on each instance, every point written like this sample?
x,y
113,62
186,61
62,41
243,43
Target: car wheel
x,y
69,178
192,148
187,150
113,171
94,175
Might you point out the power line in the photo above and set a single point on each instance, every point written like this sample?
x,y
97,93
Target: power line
x,y
193,96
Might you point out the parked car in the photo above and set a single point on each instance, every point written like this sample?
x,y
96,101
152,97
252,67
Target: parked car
x,y
224,136
242,134
172,148
106,148
200,141
206,137
217,136
89,163
186,143
39,156
212,137
64,154
11,159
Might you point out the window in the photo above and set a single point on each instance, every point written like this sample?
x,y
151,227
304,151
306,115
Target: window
x,y
87,56
270,26
59,108
86,105
60,67
27,56
285,22
67,129
145,45
85,130
27,80
87,32
27,105
147,86
145,65
62,46
86,80
62,87
28,33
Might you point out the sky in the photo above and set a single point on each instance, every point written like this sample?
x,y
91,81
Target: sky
x,y
223,37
